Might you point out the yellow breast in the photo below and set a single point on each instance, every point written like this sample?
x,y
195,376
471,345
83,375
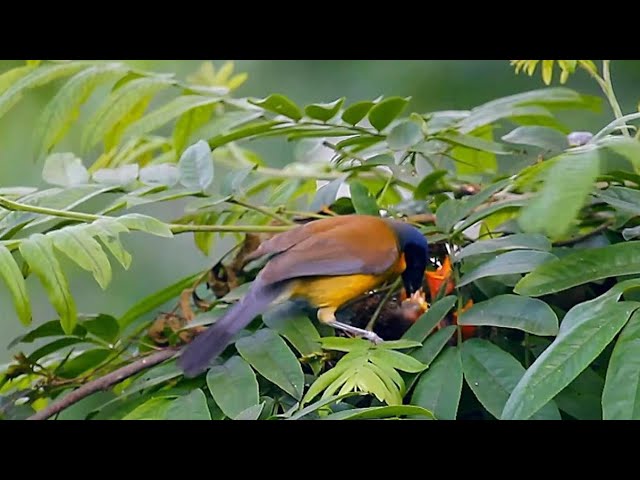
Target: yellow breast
x,y
334,291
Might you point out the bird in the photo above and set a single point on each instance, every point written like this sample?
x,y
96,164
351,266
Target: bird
x,y
325,263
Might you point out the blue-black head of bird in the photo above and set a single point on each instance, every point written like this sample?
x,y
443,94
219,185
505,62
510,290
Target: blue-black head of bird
x,y
416,254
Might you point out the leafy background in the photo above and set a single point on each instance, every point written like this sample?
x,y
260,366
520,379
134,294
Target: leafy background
x,y
382,371
432,85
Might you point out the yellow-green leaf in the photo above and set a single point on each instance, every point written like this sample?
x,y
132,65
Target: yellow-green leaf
x,y
37,250
10,273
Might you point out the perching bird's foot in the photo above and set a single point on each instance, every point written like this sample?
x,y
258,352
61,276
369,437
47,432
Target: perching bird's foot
x,y
372,337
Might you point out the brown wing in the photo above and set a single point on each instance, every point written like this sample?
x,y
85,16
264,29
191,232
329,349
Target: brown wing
x,y
362,245
284,241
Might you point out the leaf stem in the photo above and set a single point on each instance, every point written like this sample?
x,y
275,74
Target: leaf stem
x,y
381,305
261,210
175,228
606,85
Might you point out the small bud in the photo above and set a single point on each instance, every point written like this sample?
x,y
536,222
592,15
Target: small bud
x,y
577,139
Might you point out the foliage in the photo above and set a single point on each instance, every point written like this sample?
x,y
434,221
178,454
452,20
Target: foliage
x,y
538,223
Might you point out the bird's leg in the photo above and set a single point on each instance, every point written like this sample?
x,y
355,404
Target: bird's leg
x,y
327,316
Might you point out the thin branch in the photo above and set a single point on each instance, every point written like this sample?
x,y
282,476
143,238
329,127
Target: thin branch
x,y
175,228
580,238
259,209
105,382
384,301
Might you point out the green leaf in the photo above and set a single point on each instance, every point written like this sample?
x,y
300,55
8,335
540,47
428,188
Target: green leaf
x,y
37,250
189,407
621,395
36,78
64,107
162,174
567,184
545,138
103,326
154,409
326,195
480,140
452,211
404,135
420,329
433,345
625,199
356,112
519,241
120,176
579,267
121,103
512,311
397,360
582,398
279,104
295,327
428,183
144,223
84,362
363,202
251,413
401,344
394,411
166,113
47,329
521,261
196,166
439,388
323,402
65,170
585,331
273,359
525,105
385,111
10,273
343,344
492,374
627,147
10,77
251,130
195,119
82,249
473,154
108,231
53,347
81,410
56,198
324,111
233,386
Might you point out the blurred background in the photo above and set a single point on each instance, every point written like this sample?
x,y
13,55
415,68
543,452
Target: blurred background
x,y
433,85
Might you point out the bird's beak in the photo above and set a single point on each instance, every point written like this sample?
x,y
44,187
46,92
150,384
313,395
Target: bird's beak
x,y
419,298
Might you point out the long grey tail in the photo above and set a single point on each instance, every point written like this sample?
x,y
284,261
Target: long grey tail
x,y
197,356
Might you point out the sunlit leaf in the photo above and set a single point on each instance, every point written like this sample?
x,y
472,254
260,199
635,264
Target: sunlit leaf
x,y
585,331
522,261
579,267
439,388
567,184
273,359
492,374
13,279
37,251
513,311
196,166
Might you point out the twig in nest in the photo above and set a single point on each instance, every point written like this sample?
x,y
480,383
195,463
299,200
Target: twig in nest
x,y
104,382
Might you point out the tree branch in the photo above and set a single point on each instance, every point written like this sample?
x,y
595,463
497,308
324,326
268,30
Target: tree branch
x,y
104,382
